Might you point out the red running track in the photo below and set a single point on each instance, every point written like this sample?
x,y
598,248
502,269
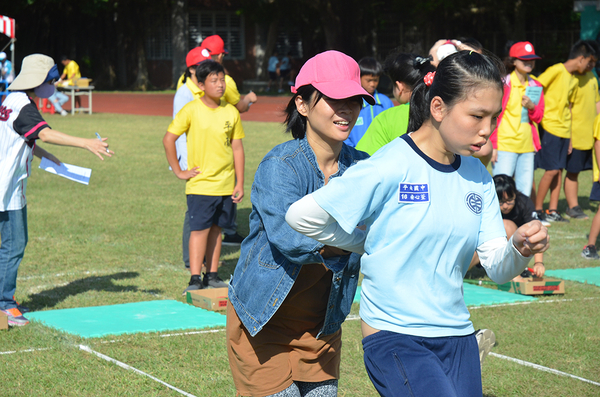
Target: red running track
x,y
267,108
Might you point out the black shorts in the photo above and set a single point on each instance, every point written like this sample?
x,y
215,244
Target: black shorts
x,y
595,193
206,211
285,73
580,160
553,154
273,76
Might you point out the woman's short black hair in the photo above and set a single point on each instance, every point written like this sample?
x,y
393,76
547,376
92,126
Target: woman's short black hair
x,y
457,76
505,186
294,121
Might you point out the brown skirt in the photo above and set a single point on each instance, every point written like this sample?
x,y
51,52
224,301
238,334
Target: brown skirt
x,y
286,349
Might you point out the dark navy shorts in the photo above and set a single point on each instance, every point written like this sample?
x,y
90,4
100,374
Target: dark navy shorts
x,y
273,76
595,193
554,151
206,211
580,160
403,365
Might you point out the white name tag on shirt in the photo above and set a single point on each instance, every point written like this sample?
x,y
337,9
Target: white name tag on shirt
x,y
413,193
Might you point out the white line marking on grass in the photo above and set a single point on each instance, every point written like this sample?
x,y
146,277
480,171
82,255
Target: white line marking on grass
x,y
25,351
128,367
85,272
530,302
542,368
210,331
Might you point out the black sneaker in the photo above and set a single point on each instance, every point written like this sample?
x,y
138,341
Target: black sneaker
x,y
195,284
232,239
212,280
554,216
589,252
576,213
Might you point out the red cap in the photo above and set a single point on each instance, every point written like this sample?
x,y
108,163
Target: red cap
x,y
196,55
334,74
215,45
523,50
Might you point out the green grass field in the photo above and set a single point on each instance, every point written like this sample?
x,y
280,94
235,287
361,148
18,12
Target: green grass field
x,y
118,240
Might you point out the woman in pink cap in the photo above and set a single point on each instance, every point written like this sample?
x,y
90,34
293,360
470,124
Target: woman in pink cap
x,y
516,138
290,294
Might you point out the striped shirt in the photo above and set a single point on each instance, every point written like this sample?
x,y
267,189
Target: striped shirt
x,y
20,124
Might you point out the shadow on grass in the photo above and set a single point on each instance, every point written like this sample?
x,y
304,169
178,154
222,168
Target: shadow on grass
x,y
50,298
583,201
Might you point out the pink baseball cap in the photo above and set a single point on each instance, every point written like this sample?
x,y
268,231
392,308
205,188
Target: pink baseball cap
x,y
334,74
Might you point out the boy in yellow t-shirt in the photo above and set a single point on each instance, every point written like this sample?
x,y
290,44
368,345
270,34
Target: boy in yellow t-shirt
x,y
584,110
71,72
589,251
215,178
560,88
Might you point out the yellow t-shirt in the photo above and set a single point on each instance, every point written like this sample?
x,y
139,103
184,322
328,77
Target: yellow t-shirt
x,y
72,71
560,88
209,135
584,111
596,138
514,136
231,95
194,89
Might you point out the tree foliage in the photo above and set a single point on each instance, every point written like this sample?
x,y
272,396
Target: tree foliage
x,y
107,36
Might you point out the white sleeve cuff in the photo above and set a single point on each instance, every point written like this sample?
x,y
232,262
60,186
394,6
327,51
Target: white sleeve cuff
x,y
501,260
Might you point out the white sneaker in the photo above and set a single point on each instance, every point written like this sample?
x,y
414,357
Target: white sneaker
x,y
63,112
486,339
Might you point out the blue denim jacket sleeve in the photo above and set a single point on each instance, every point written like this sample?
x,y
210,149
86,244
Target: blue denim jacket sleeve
x,y
276,186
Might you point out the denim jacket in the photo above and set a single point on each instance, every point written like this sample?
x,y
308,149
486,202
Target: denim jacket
x,y
273,253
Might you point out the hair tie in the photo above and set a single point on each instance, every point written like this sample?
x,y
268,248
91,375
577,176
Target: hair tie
x,y
470,52
420,61
428,79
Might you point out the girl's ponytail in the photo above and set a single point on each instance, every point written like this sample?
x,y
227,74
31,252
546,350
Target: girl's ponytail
x,y
419,106
407,68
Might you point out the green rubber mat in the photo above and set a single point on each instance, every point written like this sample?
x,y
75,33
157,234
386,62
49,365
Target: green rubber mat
x,y
129,318
590,275
480,296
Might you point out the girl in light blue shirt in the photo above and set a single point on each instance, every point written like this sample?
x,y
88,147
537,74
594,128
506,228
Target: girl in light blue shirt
x,y
428,205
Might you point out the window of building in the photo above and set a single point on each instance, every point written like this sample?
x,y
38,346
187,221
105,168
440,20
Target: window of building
x,y
228,25
158,39
289,43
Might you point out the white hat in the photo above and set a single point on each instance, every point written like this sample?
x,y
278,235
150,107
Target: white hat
x,y
2,56
34,70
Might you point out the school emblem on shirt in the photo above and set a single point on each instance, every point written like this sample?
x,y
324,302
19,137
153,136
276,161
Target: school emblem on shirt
x,y
474,202
413,193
